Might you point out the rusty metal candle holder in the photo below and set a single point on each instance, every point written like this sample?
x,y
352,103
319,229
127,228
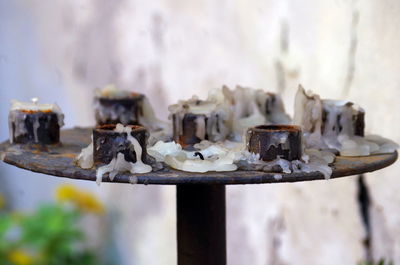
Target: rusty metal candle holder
x,y
107,143
201,203
201,207
359,123
273,141
126,110
195,120
186,133
336,116
41,127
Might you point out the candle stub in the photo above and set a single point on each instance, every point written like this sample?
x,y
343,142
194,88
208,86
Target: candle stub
x,y
331,124
225,114
110,139
31,122
121,148
275,141
195,120
113,106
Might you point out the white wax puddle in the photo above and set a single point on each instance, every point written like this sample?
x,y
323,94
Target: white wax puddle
x,y
229,156
85,158
212,158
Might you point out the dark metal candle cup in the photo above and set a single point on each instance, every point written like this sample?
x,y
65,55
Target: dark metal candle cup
x,y
272,141
107,143
357,119
186,134
42,127
119,110
359,123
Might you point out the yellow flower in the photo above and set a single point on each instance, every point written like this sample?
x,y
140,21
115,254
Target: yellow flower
x,y
85,201
19,257
2,201
66,193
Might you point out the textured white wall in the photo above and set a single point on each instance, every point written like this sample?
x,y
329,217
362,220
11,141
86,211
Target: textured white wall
x,y
172,49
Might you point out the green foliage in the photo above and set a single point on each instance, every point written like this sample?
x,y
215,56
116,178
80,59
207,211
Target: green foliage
x,y
49,236
5,245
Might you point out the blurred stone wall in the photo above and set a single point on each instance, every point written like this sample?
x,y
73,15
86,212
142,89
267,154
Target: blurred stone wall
x,y
171,49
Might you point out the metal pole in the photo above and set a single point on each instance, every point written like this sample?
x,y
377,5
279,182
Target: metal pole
x,y
201,226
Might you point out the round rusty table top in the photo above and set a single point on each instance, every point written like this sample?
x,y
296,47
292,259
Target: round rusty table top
x,y
59,161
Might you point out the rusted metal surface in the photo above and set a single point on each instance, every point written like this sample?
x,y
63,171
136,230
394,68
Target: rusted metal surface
x,y
58,160
271,141
107,143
